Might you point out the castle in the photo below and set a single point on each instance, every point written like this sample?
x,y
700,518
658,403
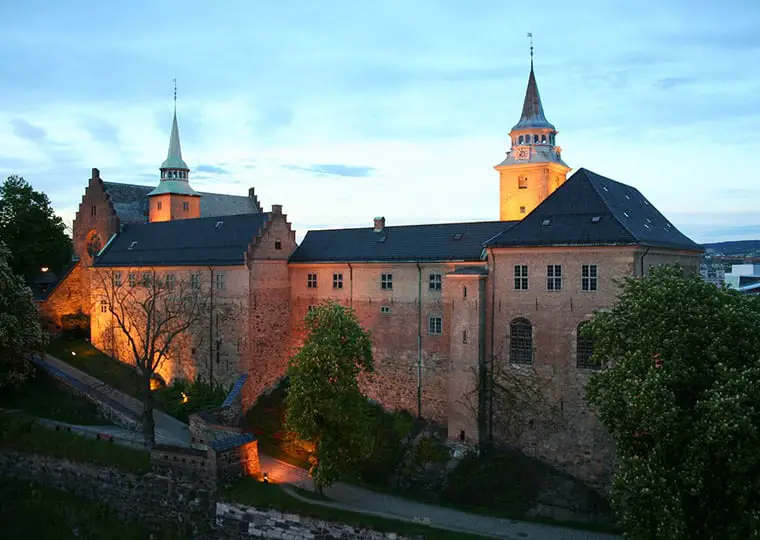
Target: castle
x,y
452,307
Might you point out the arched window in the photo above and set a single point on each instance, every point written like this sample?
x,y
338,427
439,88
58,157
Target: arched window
x,y
521,342
584,348
543,138
521,139
522,182
535,138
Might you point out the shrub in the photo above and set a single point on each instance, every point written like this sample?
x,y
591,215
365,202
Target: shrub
x,y
76,325
389,430
200,396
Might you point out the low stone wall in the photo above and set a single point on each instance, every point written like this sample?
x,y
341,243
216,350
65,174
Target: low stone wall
x,y
245,521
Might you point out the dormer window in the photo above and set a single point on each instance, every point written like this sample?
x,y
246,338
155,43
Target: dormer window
x,y
132,245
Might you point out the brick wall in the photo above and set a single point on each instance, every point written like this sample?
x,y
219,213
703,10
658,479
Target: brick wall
x,y
269,306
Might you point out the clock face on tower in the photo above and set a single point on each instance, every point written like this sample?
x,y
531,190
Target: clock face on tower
x,y
522,154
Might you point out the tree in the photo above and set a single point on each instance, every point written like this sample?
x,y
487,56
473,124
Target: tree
x,y
20,330
681,398
30,229
146,319
324,403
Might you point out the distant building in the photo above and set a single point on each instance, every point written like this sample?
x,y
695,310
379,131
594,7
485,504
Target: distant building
x,y
712,270
742,275
447,304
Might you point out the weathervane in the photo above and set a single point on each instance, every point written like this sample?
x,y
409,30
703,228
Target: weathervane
x,y
530,36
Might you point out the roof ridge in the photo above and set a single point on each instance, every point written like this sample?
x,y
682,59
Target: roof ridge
x,y
494,221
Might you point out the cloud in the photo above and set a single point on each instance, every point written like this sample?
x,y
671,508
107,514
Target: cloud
x,y
101,130
27,131
668,83
335,169
212,169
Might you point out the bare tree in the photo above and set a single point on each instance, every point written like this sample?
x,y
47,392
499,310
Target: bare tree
x,y
507,399
145,315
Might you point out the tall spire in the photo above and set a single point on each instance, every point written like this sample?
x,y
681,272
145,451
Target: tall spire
x,y
174,155
533,111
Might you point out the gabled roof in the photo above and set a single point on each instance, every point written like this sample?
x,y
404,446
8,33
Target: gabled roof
x,y
218,241
437,242
131,202
591,210
533,110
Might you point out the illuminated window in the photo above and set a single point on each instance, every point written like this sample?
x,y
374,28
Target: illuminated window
x,y
103,306
521,277
521,342
311,281
554,277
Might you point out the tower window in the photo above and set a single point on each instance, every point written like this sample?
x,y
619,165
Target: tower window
x,y
185,206
158,205
522,209
521,139
94,210
543,138
522,182
535,138
277,244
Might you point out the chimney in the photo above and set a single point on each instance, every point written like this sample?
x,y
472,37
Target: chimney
x,y
277,209
95,173
379,224
251,193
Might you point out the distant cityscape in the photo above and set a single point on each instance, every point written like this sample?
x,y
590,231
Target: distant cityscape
x,y
732,264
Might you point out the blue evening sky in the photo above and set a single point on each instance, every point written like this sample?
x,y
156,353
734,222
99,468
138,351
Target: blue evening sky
x,y
344,110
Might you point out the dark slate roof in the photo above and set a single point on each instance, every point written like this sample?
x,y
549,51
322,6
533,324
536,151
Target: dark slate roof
x,y
591,210
533,111
184,242
233,441
437,242
234,391
131,202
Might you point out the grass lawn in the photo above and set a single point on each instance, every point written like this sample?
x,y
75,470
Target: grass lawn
x,y
18,432
34,511
45,397
93,362
254,493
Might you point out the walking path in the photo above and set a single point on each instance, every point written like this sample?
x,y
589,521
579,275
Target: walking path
x,y
345,496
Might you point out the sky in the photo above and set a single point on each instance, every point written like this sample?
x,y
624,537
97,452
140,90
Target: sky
x,y
342,110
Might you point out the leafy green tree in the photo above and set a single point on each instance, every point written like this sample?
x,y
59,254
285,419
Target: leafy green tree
x,y
324,403
681,398
31,230
20,331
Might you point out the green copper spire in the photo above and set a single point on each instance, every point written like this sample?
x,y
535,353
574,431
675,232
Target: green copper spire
x,y
174,155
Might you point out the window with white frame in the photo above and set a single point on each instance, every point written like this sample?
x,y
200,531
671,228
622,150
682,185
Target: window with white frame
x,y
117,279
521,277
146,279
170,280
435,324
588,277
386,281
435,281
132,279
195,281
385,309
337,281
221,281
554,277
521,341
311,281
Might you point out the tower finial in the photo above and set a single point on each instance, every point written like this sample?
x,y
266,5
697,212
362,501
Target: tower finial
x,y
175,95
530,36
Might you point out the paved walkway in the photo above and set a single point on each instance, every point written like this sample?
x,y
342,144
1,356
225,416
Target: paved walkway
x,y
345,496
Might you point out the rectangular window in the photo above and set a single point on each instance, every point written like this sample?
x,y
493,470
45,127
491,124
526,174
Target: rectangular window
x,y
103,306
195,281
521,277
277,244
117,279
435,325
311,281
132,279
185,206
435,281
158,205
94,210
386,281
169,281
464,336
554,277
337,281
385,309
146,279
220,281
588,277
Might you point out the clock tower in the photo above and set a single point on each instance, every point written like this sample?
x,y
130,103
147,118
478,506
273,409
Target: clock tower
x,y
533,168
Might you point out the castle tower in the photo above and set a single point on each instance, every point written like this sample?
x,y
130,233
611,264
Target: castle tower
x,y
173,198
533,168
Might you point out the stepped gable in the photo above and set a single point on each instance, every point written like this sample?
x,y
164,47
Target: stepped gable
x,y
592,210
